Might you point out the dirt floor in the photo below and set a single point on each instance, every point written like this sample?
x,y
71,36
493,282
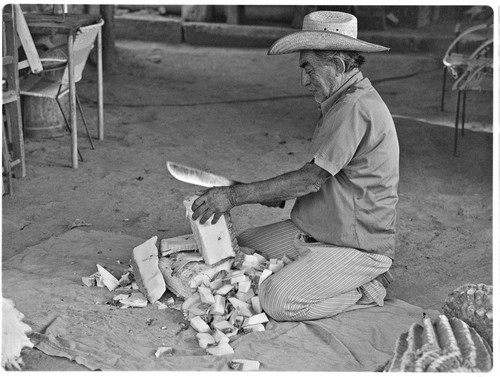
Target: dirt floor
x,y
240,113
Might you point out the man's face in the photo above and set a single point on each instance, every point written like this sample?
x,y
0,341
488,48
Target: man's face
x,y
318,75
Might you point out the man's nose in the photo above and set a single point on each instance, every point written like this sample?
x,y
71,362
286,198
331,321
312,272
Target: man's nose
x,y
305,79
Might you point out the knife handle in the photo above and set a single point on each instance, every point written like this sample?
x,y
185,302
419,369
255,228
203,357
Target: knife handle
x,y
280,204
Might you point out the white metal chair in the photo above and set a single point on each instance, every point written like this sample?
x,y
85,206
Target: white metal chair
x,y
477,76
456,57
58,86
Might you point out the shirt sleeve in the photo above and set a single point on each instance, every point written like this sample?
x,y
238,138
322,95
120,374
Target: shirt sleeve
x,y
339,137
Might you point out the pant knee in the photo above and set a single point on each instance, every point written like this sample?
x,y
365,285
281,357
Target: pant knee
x,y
277,302
267,298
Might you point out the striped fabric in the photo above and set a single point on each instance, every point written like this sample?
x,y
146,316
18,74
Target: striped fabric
x,y
323,279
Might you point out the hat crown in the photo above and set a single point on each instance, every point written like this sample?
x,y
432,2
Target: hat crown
x,y
337,22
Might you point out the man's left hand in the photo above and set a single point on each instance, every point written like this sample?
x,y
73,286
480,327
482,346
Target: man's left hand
x,y
214,201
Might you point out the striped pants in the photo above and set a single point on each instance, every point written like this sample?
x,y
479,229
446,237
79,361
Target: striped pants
x,y
322,281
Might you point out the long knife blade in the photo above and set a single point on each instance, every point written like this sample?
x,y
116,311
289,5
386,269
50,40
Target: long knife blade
x,y
197,177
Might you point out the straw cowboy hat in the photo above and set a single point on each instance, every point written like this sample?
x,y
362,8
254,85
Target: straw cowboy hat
x,y
325,30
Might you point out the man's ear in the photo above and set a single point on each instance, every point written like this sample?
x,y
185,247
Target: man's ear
x,y
339,65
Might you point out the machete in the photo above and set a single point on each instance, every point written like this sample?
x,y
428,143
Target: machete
x,y
197,177
202,178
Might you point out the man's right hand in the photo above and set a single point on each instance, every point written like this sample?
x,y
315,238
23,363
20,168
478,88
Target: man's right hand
x,y
214,201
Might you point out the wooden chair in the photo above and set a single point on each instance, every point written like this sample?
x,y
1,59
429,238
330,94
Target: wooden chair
x,y
477,76
456,57
58,86
13,158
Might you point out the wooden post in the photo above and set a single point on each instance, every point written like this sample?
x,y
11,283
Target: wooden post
x,y
299,12
100,98
108,37
13,107
198,13
17,138
72,102
235,14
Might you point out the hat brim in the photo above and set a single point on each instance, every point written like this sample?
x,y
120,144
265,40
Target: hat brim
x,y
321,40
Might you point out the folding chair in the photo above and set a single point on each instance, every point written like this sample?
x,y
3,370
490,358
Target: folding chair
x,y
454,60
58,86
477,76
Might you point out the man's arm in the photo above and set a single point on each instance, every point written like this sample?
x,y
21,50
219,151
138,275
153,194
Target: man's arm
x,y
294,184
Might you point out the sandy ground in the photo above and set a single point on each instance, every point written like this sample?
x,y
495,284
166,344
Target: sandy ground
x,y
240,113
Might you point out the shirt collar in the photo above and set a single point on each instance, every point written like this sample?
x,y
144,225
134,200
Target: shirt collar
x,y
330,101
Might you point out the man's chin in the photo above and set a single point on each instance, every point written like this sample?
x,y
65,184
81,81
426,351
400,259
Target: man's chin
x,y
319,99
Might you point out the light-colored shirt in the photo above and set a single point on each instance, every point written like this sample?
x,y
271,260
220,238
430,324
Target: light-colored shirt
x,y
356,142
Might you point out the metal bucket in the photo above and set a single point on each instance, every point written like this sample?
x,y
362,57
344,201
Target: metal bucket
x,y
42,116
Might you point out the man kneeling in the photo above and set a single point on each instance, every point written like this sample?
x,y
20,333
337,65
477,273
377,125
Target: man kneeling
x,y
341,233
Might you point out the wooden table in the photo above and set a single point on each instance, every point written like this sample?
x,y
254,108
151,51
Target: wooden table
x,y
68,24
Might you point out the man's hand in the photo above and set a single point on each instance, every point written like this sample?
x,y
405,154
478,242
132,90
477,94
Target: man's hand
x,y
214,201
